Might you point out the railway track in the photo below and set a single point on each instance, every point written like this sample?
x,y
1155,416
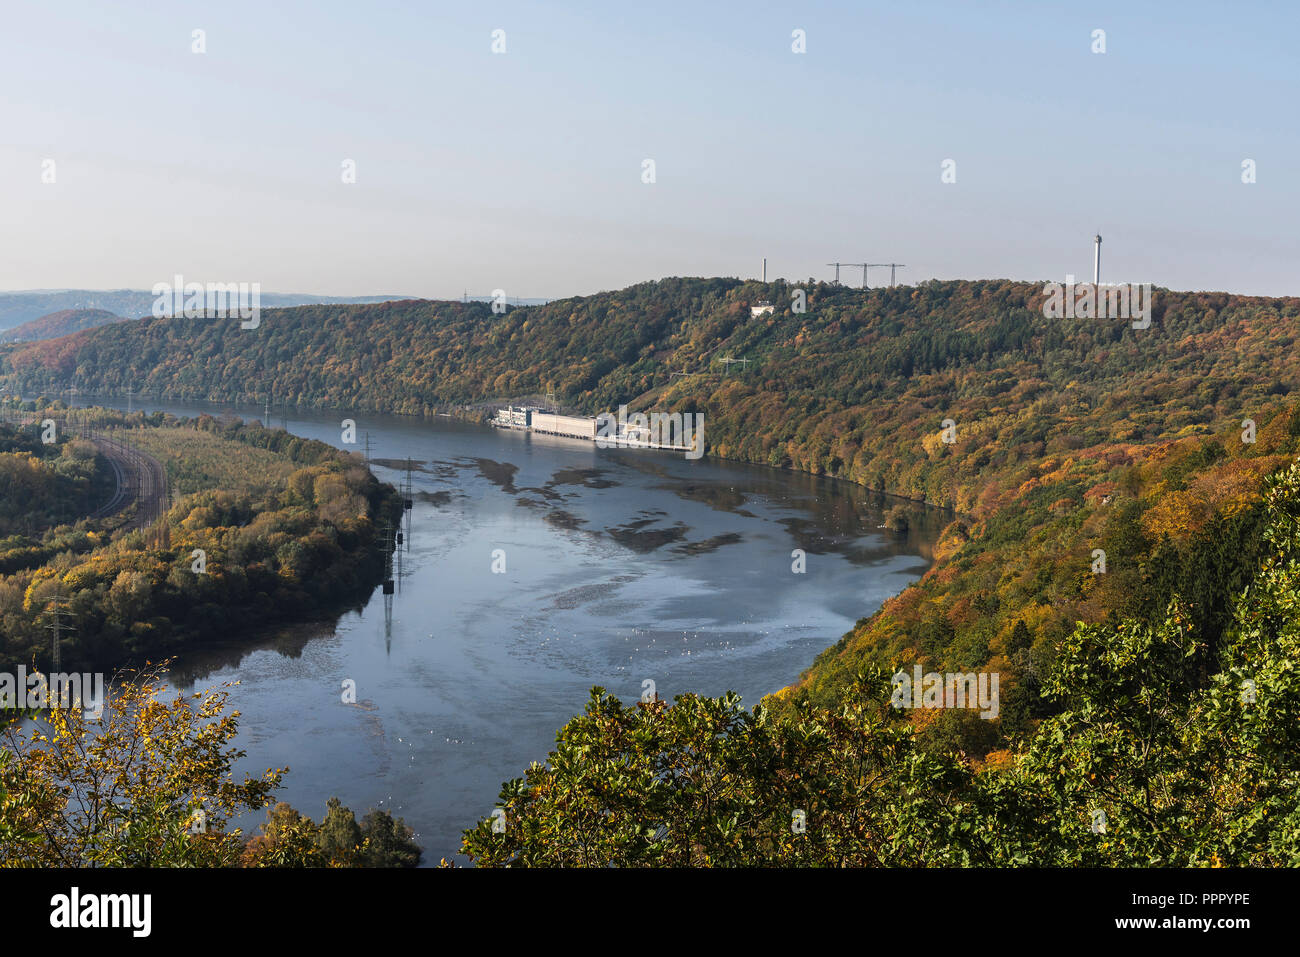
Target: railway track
x,y
121,497
138,478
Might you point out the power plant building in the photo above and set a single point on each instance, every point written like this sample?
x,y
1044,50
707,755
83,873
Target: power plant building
x,y
513,418
671,432
573,426
534,419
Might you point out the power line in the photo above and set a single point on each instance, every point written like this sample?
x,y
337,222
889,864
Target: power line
x,y
56,608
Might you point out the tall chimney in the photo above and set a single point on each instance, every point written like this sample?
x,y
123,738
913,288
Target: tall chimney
x,y
1096,262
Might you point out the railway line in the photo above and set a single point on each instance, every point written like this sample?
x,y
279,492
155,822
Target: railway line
x,y
138,478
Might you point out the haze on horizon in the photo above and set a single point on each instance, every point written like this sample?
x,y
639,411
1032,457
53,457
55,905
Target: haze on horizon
x,y
523,170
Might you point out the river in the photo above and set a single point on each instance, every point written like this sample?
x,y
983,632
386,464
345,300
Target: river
x,y
614,567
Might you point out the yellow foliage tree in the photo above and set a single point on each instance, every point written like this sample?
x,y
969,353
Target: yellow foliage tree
x,y
148,784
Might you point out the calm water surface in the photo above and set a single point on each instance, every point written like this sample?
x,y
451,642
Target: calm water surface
x,y
620,566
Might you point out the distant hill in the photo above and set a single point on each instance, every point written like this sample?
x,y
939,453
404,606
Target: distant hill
x,y
17,308
847,388
1056,440
62,323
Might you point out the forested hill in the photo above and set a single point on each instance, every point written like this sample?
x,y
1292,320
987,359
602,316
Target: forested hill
x,y
1071,435
62,323
857,386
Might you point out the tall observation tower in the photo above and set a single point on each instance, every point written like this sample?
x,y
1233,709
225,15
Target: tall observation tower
x,y
1096,261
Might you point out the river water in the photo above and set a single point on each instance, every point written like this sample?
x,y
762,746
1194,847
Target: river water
x,y
620,567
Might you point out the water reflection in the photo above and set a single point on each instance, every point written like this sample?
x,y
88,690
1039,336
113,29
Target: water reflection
x,y
533,567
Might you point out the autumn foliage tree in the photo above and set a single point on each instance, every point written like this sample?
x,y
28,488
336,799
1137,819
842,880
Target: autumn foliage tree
x,y
150,783
1147,761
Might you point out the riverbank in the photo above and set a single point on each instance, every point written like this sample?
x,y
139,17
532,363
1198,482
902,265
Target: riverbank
x,y
619,566
263,528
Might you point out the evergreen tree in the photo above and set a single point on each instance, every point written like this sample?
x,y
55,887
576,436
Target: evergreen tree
x,y
340,836
389,842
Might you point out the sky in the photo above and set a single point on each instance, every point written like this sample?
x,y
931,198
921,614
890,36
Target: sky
x,y
525,170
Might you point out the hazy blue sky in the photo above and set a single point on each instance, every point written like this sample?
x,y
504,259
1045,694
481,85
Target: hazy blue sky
x,y
523,170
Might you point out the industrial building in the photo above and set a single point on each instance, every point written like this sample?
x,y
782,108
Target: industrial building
x,y
674,432
572,426
535,419
513,418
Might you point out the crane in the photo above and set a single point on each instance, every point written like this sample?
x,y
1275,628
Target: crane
x,y
865,267
864,271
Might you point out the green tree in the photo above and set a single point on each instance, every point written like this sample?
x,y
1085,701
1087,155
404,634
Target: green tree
x,y
340,836
388,842
149,784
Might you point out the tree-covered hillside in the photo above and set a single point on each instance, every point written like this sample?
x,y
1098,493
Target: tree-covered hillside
x,y
1053,439
857,386
264,528
1149,760
61,323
